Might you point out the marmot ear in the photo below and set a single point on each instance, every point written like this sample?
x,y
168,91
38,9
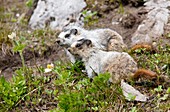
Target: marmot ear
x,y
74,31
88,42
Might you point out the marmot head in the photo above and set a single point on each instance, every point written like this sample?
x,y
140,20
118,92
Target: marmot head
x,y
81,47
68,36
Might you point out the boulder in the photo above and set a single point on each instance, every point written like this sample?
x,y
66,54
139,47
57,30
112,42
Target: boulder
x,y
56,13
152,28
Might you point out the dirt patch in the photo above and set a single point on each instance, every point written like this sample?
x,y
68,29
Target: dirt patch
x,y
9,63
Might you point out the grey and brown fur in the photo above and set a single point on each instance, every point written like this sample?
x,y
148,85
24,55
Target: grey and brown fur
x,y
104,39
118,64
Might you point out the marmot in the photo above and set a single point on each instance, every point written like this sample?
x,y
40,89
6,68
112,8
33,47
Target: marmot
x,y
119,64
104,39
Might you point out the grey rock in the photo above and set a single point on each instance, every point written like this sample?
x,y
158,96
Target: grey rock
x,y
152,27
56,13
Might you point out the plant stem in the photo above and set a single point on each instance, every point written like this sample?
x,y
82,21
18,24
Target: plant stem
x,y
22,59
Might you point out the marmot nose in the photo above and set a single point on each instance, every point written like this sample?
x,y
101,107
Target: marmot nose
x,y
58,41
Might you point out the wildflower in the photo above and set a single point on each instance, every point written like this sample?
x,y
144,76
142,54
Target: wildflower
x,y
49,68
12,36
17,15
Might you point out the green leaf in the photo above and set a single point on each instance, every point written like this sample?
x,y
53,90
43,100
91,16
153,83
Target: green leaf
x,y
95,108
84,12
2,80
19,48
133,109
29,3
49,91
130,97
168,90
158,89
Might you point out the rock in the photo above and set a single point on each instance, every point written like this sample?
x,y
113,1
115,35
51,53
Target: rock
x,y
56,13
152,27
129,90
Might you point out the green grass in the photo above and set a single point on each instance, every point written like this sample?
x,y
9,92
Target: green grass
x,y
158,61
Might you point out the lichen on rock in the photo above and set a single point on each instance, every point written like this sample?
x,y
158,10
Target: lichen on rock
x,y
56,13
152,28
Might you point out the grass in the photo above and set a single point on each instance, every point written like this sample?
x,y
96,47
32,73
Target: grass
x,y
158,61
66,87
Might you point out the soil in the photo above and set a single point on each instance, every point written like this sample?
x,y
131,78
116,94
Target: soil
x,y
9,63
124,20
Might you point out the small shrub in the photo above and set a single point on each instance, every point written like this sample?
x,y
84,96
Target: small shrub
x,y
11,93
83,94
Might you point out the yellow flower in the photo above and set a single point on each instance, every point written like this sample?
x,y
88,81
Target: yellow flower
x,y
12,36
49,68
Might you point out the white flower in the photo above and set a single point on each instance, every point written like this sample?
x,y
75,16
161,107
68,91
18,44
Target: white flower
x,y
12,36
49,68
17,15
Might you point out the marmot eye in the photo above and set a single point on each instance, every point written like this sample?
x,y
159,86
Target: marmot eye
x,y
78,45
67,35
